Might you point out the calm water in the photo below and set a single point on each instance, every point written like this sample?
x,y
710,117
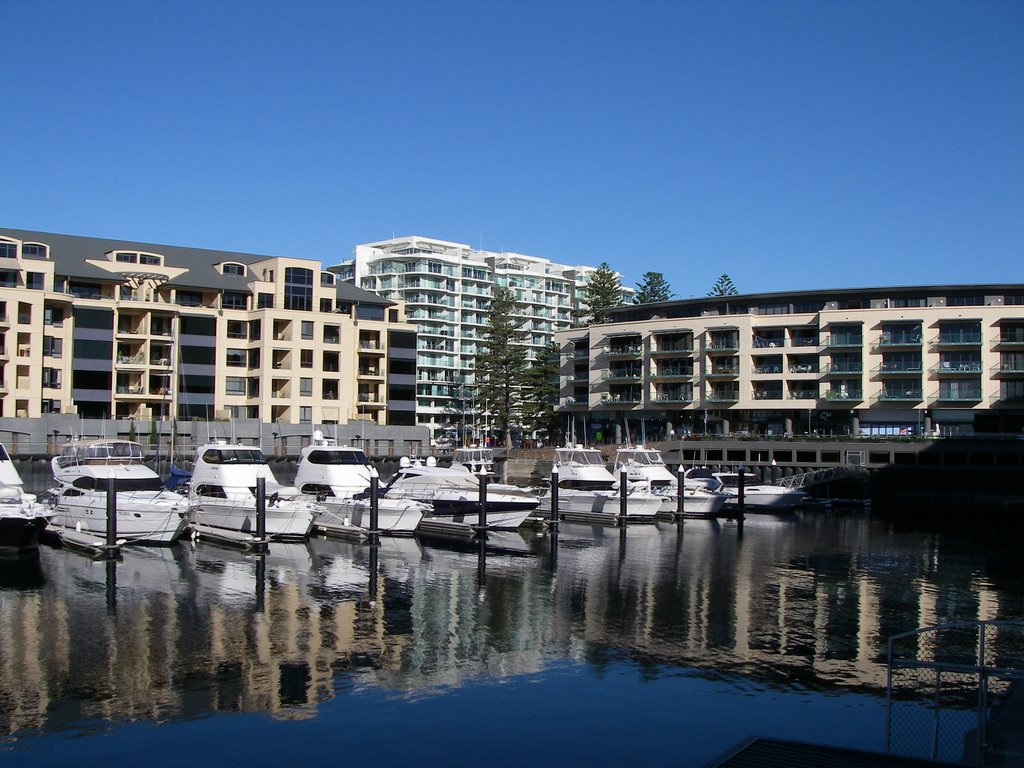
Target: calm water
x,y
666,644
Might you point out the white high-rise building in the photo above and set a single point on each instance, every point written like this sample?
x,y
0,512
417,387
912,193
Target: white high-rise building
x,y
448,288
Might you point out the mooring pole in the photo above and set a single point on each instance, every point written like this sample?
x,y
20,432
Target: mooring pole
x,y
680,487
374,506
111,516
553,522
740,494
623,490
261,512
482,520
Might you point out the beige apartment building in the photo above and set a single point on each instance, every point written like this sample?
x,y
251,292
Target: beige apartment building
x,y
116,329
895,361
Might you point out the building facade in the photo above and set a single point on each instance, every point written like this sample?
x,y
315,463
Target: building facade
x,y
116,329
917,360
447,288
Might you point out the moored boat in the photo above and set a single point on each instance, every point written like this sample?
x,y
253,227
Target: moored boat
x,y
147,513
645,470
586,487
222,494
22,516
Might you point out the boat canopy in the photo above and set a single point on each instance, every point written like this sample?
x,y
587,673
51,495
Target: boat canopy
x,y
337,456
579,456
233,455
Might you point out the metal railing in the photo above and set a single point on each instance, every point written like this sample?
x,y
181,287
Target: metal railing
x,y
955,692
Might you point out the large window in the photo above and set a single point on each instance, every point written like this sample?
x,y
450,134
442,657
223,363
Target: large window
x,y
236,358
234,385
298,288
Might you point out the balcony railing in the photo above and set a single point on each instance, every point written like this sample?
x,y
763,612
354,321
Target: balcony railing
x,y
767,394
848,394
762,369
674,398
667,347
624,351
844,368
844,340
672,373
722,397
1011,337
899,368
959,337
803,394
724,345
959,395
900,339
969,366
910,394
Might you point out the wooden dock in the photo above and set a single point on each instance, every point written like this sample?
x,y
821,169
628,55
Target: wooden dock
x,y
92,544
227,537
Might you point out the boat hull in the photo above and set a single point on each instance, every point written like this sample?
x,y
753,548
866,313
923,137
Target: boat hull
x,y
20,533
756,499
394,516
284,519
139,521
639,506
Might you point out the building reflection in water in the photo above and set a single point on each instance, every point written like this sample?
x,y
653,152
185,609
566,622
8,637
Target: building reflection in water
x,y
198,629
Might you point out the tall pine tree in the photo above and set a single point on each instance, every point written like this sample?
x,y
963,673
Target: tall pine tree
x,y
602,291
723,287
541,394
502,365
652,289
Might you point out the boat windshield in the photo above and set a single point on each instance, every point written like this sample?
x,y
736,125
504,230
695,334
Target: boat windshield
x,y
581,456
644,458
120,483
473,455
233,456
119,451
336,456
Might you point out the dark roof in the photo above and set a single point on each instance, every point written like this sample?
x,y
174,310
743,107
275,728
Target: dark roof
x,y
69,253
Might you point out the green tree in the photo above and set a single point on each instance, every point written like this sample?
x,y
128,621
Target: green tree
x,y
652,289
540,393
502,365
723,287
602,291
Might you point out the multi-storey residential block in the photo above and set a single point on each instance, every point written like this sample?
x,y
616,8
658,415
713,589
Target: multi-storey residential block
x,y
447,288
914,360
117,329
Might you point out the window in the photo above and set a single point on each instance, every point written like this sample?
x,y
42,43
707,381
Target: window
x,y
371,312
188,298
305,414
774,309
326,279
236,358
34,280
85,290
94,318
265,301
233,269
332,334
305,387
253,386
325,305
902,302
305,358
52,347
33,249
51,406
51,378
236,329
149,259
298,288
24,313
126,258
307,330
255,330
196,325
964,301
234,385
93,350
197,355
234,300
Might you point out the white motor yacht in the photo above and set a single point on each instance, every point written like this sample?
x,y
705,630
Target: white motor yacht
x,y
22,516
585,486
339,477
645,470
147,513
758,496
454,494
222,494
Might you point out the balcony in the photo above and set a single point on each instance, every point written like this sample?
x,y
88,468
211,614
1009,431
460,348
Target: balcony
x,y
803,368
1013,337
625,350
622,376
839,369
955,369
1008,368
890,339
767,394
722,396
672,348
724,345
804,341
844,340
723,371
138,359
803,394
674,397
899,369
758,370
620,399
845,395
958,339
901,395
959,395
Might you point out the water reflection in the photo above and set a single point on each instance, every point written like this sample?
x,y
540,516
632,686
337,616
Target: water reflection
x,y
197,629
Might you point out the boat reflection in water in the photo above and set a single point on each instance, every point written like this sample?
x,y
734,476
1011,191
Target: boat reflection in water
x,y
785,621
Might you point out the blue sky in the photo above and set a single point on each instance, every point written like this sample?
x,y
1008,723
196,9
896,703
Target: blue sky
x,y
791,145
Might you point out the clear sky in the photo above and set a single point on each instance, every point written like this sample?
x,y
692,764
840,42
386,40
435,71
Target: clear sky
x,y
791,144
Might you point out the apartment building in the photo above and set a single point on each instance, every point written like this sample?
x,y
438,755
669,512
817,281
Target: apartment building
x,y
447,288
117,329
907,360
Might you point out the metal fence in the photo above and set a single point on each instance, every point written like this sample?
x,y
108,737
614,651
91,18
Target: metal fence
x,y
956,693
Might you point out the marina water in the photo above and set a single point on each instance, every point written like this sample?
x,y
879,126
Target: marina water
x,y
661,644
